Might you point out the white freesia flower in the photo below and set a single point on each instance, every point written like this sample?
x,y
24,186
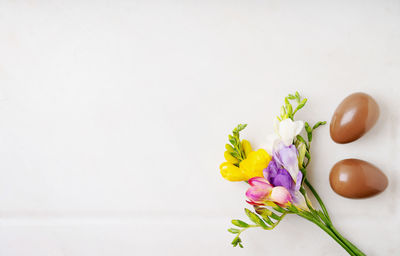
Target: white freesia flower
x,y
287,129
300,201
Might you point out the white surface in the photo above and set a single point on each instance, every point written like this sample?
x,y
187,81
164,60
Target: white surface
x,y
114,116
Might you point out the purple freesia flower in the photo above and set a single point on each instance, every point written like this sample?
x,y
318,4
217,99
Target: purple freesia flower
x,y
283,169
286,156
278,176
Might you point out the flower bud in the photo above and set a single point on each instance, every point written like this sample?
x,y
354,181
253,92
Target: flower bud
x,y
232,172
230,158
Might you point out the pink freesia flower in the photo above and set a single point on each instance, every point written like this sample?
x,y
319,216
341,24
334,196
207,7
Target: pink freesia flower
x,y
261,192
281,195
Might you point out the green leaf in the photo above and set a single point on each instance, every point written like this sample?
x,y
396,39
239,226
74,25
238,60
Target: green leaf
x,y
301,148
239,128
309,136
229,148
292,208
283,111
240,223
279,209
318,124
234,230
274,216
232,140
262,211
242,127
308,130
234,154
268,220
254,218
300,106
307,127
304,172
235,241
289,109
301,139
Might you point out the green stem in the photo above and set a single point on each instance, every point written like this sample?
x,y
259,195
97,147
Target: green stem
x,y
354,248
327,223
322,219
318,199
281,218
329,232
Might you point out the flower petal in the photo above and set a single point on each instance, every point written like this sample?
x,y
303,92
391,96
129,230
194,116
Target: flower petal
x,y
288,130
259,181
271,171
298,181
284,179
286,156
280,195
246,147
255,163
231,172
253,203
297,127
230,158
278,176
258,194
300,201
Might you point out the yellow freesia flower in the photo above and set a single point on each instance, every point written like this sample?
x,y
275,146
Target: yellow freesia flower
x,y
250,167
230,158
255,163
231,172
246,147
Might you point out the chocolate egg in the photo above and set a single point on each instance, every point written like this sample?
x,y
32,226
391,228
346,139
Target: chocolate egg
x,y
354,116
354,178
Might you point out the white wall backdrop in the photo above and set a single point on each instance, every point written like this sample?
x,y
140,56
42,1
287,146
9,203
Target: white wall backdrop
x,y
114,116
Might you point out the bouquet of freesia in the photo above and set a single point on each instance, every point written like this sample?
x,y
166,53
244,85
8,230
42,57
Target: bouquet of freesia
x,y
277,176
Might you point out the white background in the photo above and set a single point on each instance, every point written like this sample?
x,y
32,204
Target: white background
x,y
114,116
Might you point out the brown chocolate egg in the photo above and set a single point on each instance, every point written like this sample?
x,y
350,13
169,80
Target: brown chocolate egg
x,y
354,178
354,116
